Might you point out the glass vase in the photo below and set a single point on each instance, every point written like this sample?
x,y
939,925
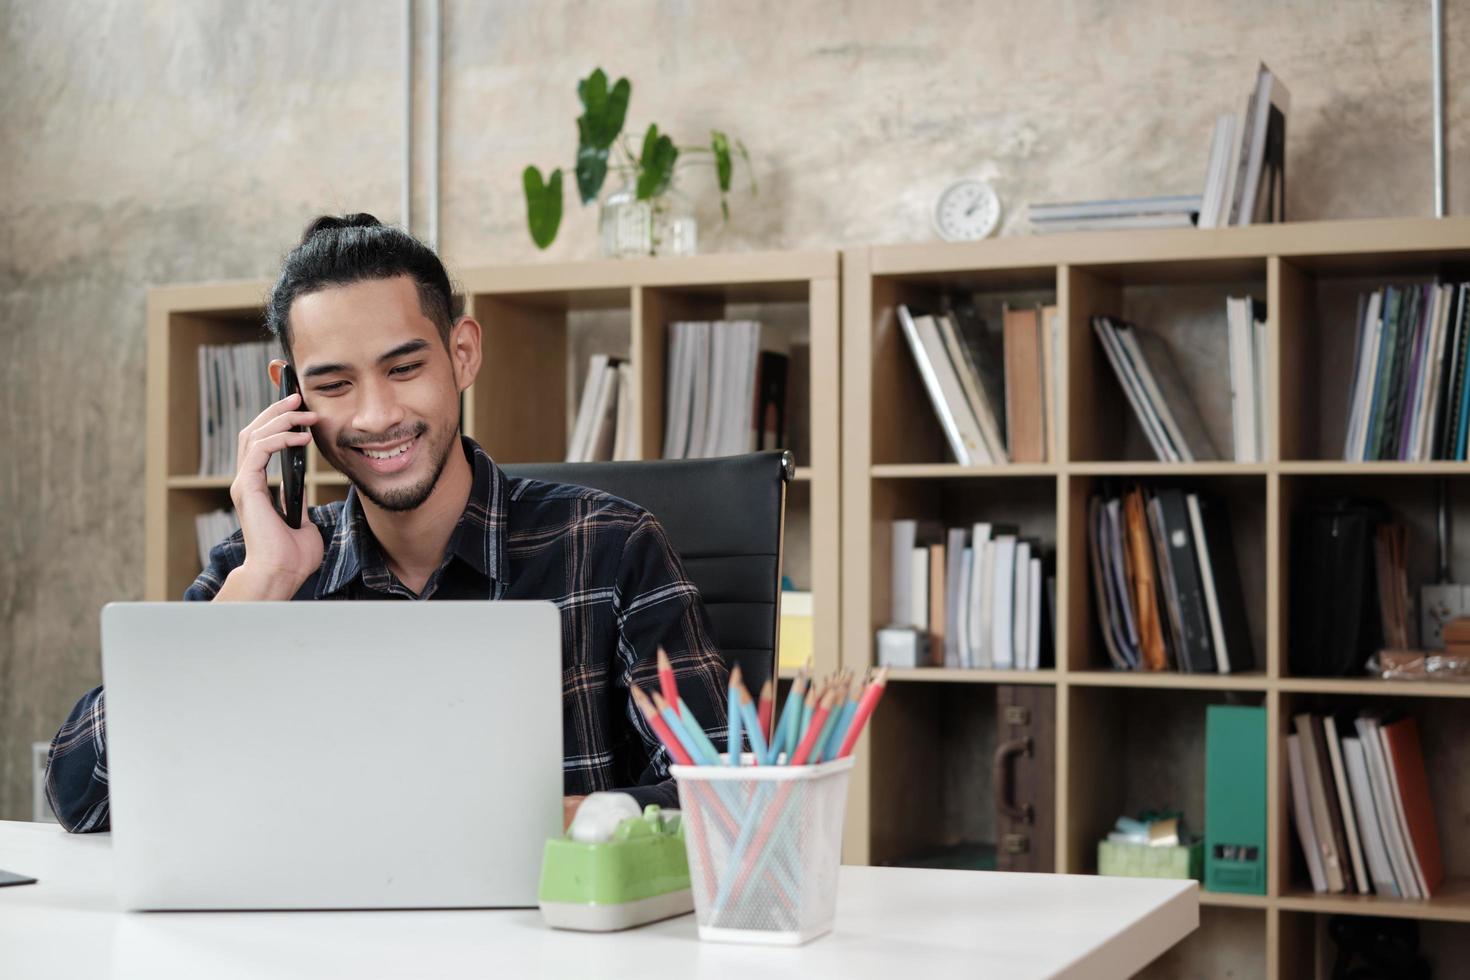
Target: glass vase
x,y
630,228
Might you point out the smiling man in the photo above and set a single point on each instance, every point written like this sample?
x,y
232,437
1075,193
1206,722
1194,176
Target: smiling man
x,y
366,316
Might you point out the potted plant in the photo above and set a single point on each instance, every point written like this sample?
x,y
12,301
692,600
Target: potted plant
x,y
647,214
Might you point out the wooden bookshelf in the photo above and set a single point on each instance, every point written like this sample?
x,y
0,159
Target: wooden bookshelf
x,y
1127,739
521,405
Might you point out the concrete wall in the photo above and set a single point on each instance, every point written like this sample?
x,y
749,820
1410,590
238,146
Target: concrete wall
x,y
151,142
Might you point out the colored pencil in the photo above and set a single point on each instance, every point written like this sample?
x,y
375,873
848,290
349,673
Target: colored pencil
x,y
695,749
822,750
660,728
752,722
733,718
864,711
786,727
767,709
819,718
812,696
666,682
691,724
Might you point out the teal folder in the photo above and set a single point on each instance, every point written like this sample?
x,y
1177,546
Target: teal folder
x,y
1235,799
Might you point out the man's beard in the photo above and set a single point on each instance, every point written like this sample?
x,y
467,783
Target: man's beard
x,y
403,498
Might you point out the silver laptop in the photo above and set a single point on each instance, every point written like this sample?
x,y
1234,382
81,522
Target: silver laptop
x,y
332,755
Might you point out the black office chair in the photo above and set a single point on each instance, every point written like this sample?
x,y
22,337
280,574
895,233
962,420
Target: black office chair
x,y
726,518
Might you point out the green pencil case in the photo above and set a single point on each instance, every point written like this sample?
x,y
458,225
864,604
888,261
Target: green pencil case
x,y
639,876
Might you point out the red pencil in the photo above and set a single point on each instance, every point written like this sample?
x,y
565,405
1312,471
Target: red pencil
x,y
819,717
767,708
864,710
666,683
660,727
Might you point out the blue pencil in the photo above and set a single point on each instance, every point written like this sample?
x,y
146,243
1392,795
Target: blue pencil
x,y
789,712
695,732
733,718
753,726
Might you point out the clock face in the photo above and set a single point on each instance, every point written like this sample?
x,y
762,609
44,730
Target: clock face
x,y
967,210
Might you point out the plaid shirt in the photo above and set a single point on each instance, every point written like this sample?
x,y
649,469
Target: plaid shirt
x,y
605,563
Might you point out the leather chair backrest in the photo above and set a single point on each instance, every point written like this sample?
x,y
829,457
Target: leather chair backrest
x,y
724,518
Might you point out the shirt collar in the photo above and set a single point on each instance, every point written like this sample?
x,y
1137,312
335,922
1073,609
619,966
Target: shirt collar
x,y
478,538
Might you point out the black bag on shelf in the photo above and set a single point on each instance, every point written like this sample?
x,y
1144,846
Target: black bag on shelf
x,y
1333,593
1376,948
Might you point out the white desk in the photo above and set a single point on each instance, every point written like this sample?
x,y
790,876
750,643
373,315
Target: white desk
x,y
891,922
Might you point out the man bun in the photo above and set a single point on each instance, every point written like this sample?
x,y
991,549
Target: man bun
x,y
360,219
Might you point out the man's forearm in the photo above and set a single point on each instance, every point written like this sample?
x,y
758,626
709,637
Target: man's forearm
x,y
245,584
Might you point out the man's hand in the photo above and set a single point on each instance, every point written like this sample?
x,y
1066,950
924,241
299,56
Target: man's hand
x,y
277,558
569,806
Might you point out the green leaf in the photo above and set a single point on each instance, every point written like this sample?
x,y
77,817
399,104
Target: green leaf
x,y
543,205
720,143
656,164
591,165
604,110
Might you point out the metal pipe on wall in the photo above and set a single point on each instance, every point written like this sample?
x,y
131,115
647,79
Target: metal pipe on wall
x,y
1436,34
435,71
405,206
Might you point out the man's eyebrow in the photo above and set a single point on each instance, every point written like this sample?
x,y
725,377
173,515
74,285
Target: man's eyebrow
x,y
407,347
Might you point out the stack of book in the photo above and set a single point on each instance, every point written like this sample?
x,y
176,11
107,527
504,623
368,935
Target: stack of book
x,y
1245,182
1166,584
1410,397
211,528
1245,178
1360,804
979,597
723,395
233,389
607,416
1161,399
994,401
1177,211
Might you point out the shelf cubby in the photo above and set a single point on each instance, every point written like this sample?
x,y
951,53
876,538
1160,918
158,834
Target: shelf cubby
x,y
1319,299
1131,750
1244,497
1182,306
1412,499
1444,733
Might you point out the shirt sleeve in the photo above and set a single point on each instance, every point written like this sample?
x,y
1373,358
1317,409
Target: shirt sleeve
x,y
224,558
76,768
657,606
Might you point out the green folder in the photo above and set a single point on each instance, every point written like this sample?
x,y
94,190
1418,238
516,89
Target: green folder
x,y
1235,799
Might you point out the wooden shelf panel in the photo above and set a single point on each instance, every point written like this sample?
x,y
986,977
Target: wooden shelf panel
x,y
330,478
1373,687
209,482
952,471
951,675
1342,468
1452,904
1313,240
1233,901
1250,681
1154,469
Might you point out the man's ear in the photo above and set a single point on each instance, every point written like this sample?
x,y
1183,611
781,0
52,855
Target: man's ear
x,y
274,370
464,351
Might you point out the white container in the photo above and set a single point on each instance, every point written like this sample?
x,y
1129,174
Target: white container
x,y
764,846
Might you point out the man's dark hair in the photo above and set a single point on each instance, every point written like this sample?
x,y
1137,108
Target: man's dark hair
x,y
353,248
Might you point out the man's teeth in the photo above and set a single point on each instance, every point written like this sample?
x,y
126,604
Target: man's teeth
x,y
374,454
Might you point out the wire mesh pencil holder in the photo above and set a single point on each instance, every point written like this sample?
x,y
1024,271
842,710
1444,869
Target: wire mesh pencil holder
x,y
764,845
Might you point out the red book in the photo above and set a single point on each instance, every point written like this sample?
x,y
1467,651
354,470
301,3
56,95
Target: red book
x,y
1411,797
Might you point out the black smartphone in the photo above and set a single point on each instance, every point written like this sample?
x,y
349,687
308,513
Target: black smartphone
x,y
293,459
